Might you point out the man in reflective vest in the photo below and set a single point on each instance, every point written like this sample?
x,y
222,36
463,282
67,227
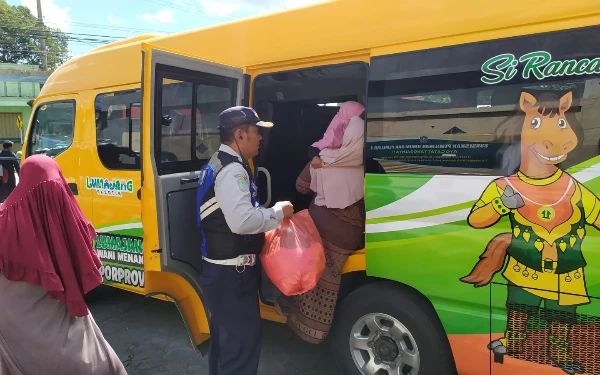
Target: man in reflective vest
x,y
233,227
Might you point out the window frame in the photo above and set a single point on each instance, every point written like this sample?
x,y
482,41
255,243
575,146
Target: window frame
x,y
195,78
128,110
33,127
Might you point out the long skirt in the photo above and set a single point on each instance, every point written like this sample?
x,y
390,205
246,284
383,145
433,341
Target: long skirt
x,y
38,336
342,231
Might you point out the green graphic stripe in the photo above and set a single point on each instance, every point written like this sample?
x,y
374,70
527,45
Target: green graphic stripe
x,y
585,164
122,265
386,239
397,237
118,223
593,185
382,189
135,232
110,283
418,215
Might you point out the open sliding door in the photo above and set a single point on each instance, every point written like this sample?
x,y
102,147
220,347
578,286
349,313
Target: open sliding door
x,y
182,99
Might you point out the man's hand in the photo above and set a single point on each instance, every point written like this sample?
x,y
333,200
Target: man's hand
x,y
287,208
316,162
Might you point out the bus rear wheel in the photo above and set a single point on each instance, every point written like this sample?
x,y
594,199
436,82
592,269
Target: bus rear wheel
x,y
384,329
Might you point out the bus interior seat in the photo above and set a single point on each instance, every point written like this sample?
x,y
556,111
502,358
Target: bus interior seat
x,y
108,142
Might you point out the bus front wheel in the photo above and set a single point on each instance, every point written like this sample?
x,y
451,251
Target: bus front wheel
x,y
382,328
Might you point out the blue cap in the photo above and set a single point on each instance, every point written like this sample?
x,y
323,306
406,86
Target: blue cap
x,y
237,116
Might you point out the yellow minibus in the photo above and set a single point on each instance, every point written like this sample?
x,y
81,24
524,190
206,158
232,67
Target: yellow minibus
x,y
482,174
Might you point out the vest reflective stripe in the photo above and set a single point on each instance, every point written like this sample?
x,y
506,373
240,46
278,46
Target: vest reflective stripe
x,y
208,208
208,211
208,203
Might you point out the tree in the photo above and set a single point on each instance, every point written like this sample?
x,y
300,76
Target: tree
x,y
20,36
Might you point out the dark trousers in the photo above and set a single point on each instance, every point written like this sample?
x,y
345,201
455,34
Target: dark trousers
x,y
235,324
7,188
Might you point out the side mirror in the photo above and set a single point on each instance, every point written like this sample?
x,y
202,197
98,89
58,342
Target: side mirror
x,y
166,120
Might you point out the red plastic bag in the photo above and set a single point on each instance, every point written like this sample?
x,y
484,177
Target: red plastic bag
x,y
293,256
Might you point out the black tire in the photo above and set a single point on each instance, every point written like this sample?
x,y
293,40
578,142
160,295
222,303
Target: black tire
x,y
405,305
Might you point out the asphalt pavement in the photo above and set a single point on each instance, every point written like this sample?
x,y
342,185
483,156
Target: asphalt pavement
x,y
150,338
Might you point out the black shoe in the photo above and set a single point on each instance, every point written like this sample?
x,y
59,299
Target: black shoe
x,y
571,367
499,351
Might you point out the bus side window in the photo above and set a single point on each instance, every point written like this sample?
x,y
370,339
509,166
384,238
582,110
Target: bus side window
x,y
117,148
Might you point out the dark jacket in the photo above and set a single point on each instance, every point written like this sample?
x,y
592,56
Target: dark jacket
x,y
11,165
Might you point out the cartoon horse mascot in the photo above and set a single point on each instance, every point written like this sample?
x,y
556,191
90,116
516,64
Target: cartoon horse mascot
x,y
548,212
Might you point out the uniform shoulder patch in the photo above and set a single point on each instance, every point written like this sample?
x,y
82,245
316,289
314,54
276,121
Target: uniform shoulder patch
x,y
242,181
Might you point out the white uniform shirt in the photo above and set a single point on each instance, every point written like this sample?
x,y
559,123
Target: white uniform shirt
x,y
232,193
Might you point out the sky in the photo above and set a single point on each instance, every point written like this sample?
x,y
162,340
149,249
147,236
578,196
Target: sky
x,y
110,20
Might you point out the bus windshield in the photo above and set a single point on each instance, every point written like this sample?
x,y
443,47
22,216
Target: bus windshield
x,y
52,131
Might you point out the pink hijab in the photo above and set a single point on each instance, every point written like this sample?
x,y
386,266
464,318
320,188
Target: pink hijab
x,y
334,134
340,182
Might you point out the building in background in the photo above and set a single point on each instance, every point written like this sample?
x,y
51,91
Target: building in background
x,y
19,84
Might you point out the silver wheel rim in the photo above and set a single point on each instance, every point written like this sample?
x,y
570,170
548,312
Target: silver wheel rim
x,y
371,338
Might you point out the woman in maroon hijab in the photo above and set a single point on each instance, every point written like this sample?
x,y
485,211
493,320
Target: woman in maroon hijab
x,y
47,264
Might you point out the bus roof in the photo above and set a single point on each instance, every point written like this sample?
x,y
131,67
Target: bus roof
x,y
131,40
324,29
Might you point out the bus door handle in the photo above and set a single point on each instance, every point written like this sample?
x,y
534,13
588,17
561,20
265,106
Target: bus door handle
x,y
184,181
268,175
